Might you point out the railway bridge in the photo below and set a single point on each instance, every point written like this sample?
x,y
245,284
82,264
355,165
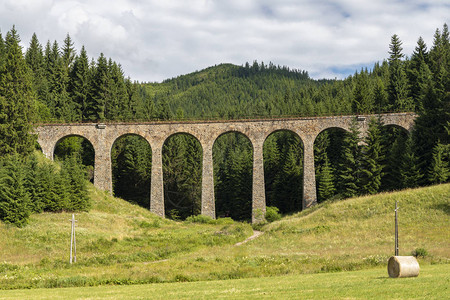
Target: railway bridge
x,y
103,135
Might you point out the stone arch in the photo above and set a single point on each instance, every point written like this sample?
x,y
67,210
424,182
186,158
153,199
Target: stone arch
x,y
233,131
61,138
131,163
283,176
234,194
81,145
182,181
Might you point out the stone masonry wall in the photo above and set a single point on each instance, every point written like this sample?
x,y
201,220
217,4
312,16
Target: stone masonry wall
x,y
103,136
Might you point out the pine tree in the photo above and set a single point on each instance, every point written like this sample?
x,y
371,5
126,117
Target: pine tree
x,y
439,171
373,155
362,99
350,165
15,206
325,182
79,86
379,96
78,196
16,101
398,89
32,184
100,93
68,53
419,73
409,168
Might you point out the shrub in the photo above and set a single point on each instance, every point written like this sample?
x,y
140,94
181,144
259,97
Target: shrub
x,y
419,252
200,219
272,214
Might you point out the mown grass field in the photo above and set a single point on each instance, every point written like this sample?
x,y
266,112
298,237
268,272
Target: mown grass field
x,y
119,243
432,283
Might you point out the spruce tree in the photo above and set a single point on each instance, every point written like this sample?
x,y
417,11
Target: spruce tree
x,y
79,86
16,101
99,93
409,168
68,53
350,165
439,171
325,182
398,89
15,206
362,98
372,158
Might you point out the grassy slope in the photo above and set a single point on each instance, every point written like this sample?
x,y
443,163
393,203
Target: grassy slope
x,y
122,243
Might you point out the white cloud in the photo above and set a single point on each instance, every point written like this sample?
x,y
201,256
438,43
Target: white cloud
x,y
154,40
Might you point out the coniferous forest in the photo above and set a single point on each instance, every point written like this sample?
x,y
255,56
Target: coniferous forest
x,y
56,83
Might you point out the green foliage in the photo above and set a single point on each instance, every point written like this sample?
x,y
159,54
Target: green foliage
x,y
28,186
419,252
16,100
233,161
15,206
199,219
325,182
372,159
182,167
272,214
350,163
439,171
131,168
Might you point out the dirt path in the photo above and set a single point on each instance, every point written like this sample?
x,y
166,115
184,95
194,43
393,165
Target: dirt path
x,y
256,234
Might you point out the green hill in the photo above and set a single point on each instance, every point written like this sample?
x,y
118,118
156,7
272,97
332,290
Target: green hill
x,y
120,243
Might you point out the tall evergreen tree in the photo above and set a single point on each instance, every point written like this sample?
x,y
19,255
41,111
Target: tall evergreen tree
x,y
100,92
16,100
439,171
409,167
362,98
398,89
325,182
68,53
373,156
350,165
79,87
15,206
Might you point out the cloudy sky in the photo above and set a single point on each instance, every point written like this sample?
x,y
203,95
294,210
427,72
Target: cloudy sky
x,y
158,39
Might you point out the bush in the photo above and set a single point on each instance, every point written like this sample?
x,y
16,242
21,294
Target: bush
x,y
272,214
419,252
200,219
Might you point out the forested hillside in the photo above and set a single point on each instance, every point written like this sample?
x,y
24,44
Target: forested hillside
x,y
54,83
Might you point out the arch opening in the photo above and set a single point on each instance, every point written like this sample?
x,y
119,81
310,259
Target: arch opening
x,y
131,164
328,157
283,171
182,175
79,146
233,175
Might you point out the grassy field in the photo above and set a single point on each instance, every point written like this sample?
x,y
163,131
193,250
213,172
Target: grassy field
x,y
432,283
119,243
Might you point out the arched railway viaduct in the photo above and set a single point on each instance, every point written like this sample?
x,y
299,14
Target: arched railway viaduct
x,y
103,136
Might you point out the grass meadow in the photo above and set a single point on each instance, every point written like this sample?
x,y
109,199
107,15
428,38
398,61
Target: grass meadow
x,y
432,283
122,244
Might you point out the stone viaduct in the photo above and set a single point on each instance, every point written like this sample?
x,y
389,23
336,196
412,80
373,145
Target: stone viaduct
x,y
102,137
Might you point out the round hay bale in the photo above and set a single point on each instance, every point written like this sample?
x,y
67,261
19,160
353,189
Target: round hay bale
x,y
403,266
